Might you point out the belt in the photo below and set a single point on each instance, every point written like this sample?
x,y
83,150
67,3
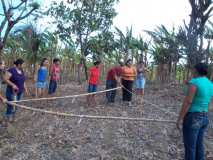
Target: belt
x,y
198,113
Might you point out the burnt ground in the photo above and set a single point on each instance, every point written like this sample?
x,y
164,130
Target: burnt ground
x,y
36,136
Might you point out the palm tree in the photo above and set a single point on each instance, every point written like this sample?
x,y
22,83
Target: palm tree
x,y
142,46
125,42
165,50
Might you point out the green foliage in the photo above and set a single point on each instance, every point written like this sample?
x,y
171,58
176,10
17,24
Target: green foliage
x,y
166,47
83,20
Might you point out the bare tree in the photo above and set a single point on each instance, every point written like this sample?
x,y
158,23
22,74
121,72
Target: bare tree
x,y
13,14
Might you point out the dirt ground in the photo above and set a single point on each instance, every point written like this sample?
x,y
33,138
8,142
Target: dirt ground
x,y
36,136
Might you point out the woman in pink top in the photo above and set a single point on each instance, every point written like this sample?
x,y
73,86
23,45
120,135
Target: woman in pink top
x,y
54,76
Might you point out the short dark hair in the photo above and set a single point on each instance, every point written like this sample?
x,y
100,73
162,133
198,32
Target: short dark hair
x,y
121,63
201,68
19,61
55,60
42,62
97,63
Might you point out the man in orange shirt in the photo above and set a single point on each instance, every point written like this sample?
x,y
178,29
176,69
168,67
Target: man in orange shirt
x,y
94,74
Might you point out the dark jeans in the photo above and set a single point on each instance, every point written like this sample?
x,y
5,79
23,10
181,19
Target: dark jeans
x,y
52,86
110,95
194,126
128,84
11,110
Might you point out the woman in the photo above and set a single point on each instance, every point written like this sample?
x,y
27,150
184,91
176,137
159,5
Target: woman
x,y
2,77
15,81
140,79
128,75
55,71
41,84
194,113
94,75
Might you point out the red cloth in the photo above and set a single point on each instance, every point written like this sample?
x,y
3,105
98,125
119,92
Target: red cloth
x,y
94,73
116,71
55,72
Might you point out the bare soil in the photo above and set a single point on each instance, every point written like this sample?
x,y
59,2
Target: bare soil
x,y
36,136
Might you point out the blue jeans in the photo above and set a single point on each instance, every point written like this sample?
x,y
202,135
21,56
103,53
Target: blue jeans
x,y
194,127
92,88
110,95
52,86
11,110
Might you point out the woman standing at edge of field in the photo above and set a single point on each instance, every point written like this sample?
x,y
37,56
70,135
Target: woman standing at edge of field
x,y
128,75
194,113
16,86
55,71
140,79
41,84
2,77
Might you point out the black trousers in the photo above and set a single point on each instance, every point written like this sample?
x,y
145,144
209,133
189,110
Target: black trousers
x,y
110,95
128,84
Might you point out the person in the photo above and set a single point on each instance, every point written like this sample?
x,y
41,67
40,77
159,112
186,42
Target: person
x,y
112,79
16,86
41,84
2,77
54,76
140,79
194,113
128,75
94,74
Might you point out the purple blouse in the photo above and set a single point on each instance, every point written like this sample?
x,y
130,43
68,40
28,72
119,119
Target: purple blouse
x,y
17,79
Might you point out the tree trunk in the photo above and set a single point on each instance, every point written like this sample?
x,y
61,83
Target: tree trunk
x,y
79,72
85,68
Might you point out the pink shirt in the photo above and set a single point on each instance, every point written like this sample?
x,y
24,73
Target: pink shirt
x,y
55,72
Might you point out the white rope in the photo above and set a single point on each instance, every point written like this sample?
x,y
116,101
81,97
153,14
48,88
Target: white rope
x,y
157,106
152,104
88,116
70,96
86,94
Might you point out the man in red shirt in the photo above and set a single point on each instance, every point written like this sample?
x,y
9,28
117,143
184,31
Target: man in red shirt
x,y
113,76
94,74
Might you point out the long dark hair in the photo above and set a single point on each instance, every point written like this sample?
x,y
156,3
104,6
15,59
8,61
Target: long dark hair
x,y
42,62
201,69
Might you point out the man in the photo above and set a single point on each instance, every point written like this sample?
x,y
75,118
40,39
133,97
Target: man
x,y
112,79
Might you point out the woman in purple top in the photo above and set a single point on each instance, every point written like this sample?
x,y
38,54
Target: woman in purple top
x,y
15,87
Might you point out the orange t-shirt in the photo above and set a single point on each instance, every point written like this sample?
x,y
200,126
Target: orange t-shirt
x,y
94,75
128,73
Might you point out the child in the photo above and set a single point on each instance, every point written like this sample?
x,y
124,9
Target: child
x,y
54,76
94,73
41,84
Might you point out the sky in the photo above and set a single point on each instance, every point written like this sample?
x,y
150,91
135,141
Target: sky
x,y
145,14
141,14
